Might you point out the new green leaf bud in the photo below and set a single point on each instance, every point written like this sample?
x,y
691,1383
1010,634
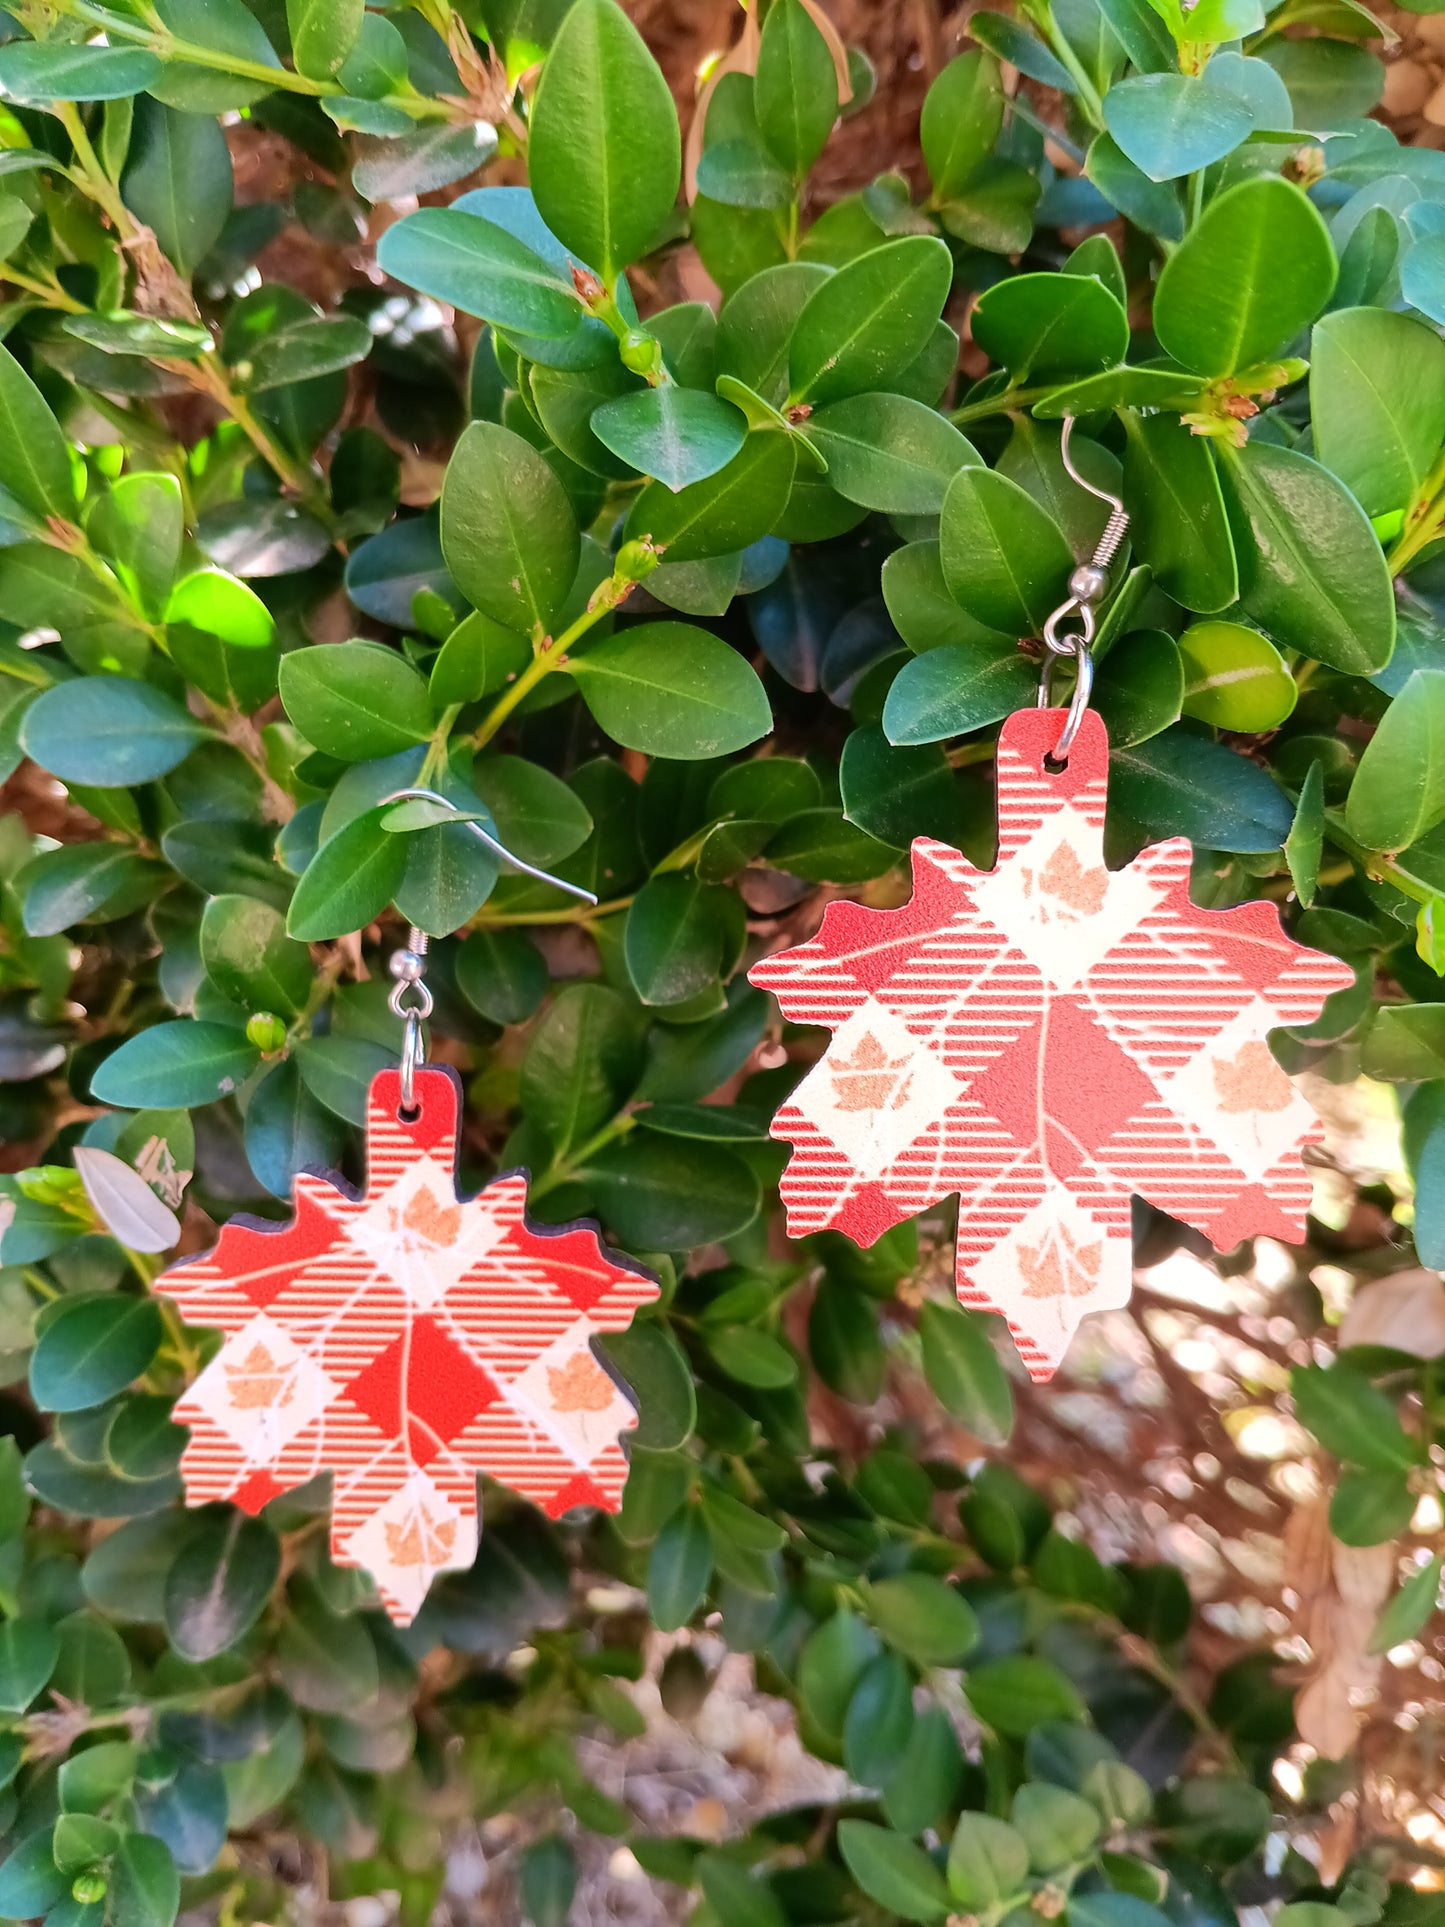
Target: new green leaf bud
x,y
642,353
636,560
266,1032
88,1887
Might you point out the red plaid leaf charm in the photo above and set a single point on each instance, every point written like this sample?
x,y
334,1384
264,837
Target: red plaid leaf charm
x,y
1045,1039
404,1340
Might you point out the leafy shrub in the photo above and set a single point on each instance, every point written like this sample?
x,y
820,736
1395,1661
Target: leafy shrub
x,y
708,609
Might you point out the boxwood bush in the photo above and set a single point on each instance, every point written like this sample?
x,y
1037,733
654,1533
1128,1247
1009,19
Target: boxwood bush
x,y
710,606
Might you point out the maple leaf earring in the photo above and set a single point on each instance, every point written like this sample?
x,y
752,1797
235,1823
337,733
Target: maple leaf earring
x,y
1049,1038
405,1339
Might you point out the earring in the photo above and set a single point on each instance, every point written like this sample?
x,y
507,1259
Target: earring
x,y
1050,1038
404,1339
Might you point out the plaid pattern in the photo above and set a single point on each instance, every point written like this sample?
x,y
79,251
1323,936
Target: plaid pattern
x,y
404,1340
1045,1039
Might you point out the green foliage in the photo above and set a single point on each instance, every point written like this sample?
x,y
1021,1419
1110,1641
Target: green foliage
x,y
702,612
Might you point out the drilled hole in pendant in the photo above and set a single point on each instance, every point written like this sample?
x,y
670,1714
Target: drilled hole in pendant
x,y
1054,766
411,1116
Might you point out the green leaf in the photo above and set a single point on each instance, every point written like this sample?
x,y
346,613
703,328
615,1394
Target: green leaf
x,y
249,957
1312,572
922,1618
728,511
14,1499
734,1897
795,88
145,1889
34,456
893,1871
832,1661
480,268
890,453
753,1357
844,1345
1173,124
508,531
679,435
1405,1044
988,1863
81,882
896,794
740,173
1180,784
42,71
547,1882
1377,403
822,846
1304,845
178,180
879,1723
352,878
1048,325
1004,558
30,1881
665,1194
962,117
327,1660
1235,678
1410,1611
1178,522
956,689
1057,1826
604,154
995,210
1399,787
679,1570
220,1582
678,938
29,1650
1139,687
654,1367
867,322
1352,1418
582,1063
669,689
306,349
1254,272
924,1788
108,731
502,974
139,525
355,700
175,1066
964,1370
323,33
1015,1694
91,1348
1369,1508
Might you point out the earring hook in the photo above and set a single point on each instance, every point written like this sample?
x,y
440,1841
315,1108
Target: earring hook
x,y
492,842
1086,585
410,998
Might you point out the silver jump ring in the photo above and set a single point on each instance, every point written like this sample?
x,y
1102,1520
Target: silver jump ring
x,y
413,1056
1070,643
1078,702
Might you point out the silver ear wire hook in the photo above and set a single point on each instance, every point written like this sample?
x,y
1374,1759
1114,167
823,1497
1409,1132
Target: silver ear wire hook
x,y
1087,584
410,998
492,843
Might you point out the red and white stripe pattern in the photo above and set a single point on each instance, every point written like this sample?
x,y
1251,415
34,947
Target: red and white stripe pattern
x,y
403,1341
1046,1039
